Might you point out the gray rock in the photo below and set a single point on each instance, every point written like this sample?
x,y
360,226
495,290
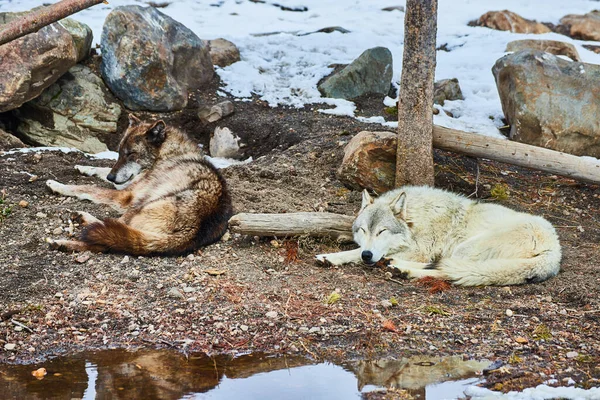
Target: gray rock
x,y
72,112
8,141
150,61
208,114
371,72
549,46
32,63
446,89
224,143
550,102
223,52
393,8
82,36
174,293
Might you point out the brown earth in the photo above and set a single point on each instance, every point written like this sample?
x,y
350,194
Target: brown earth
x,y
271,293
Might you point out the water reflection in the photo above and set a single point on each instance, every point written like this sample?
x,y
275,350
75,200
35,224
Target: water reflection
x,y
147,375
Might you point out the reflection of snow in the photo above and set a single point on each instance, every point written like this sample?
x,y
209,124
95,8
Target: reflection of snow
x,y
285,66
542,392
92,374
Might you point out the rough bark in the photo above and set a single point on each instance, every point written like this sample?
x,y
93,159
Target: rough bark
x,y
41,17
303,223
414,158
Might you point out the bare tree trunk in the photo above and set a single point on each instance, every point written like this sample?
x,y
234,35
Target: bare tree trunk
x,y
414,158
37,19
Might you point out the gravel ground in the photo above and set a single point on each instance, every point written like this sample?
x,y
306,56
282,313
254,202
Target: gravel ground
x,y
248,294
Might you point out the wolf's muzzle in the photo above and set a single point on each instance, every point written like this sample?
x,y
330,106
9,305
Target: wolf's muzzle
x,y
367,256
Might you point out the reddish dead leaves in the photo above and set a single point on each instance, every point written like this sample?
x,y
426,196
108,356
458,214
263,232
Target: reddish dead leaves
x,y
291,252
388,325
434,285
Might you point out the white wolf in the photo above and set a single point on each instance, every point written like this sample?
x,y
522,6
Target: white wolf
x,y
423,232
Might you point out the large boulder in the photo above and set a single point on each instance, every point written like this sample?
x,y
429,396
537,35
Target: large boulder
x,y
73,112
150,61
549,46
370,73
30,64
223,52
369,161
585,27
509,21
550,102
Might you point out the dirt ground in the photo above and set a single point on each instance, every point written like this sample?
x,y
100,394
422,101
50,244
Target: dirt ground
x,y
268,294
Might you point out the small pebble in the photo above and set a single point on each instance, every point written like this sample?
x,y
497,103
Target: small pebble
x,y
57,231
41,215
271,314
244,328
509,312
10,346
572,354
23,203
386,304
174,293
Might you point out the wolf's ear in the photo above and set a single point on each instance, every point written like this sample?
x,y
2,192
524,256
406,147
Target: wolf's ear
x,y
157,133
366,199
398,205
133,120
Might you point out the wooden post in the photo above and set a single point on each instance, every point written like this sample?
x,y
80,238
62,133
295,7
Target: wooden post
x,y
37,19
414,157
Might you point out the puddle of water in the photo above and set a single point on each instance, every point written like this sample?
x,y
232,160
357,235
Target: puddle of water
x,y
166,375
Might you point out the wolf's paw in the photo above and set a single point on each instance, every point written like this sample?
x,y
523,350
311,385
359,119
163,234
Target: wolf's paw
x,y
322,260
83,218
52,244
56,187
86,170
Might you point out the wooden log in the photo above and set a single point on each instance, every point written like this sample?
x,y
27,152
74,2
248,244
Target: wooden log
x,y
37,19
524,155
315,224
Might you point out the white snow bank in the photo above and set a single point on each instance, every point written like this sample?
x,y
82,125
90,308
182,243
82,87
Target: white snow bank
x,y
218,162
284,68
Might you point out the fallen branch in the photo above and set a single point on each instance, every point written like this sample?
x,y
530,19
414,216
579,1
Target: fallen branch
x,y
17,323
37,19
524,155
315,224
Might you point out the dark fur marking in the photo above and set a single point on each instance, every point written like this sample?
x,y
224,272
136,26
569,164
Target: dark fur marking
x,y
435,262
215,225
534,279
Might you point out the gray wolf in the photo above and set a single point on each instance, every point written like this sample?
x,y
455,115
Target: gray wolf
x,y
427,232
172,201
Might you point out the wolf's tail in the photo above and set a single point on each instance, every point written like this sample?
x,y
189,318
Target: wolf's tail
x,y
516,271
114,236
